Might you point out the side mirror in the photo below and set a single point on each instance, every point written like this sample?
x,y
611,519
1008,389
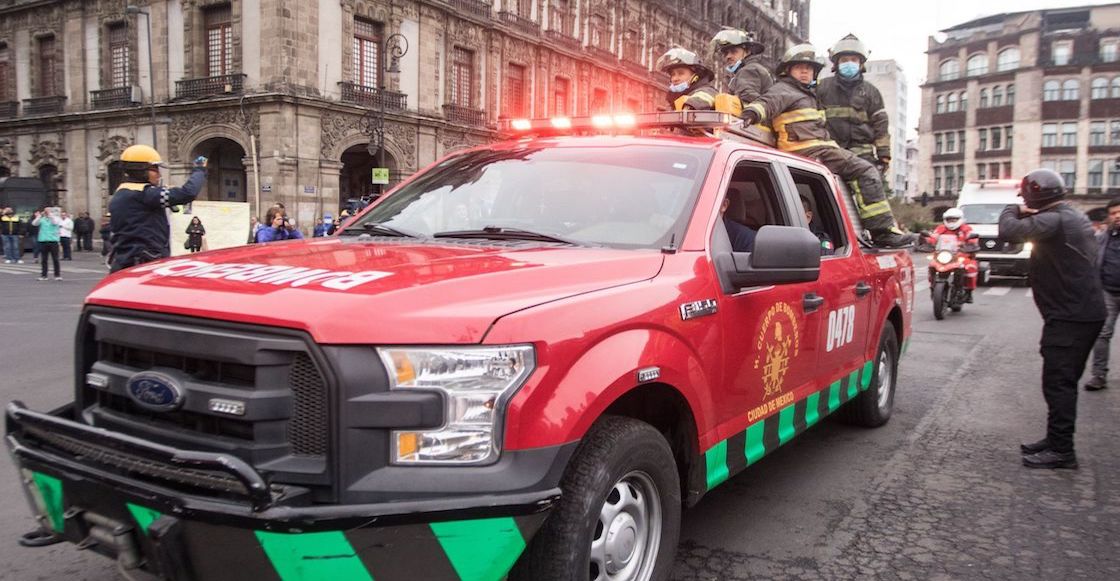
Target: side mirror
x,y
781,255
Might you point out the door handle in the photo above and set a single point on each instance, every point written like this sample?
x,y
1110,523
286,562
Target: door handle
x,y
811,302
862,289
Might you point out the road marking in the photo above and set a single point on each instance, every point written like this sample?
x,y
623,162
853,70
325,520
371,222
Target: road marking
x,y
998,291
921,286
1030,293
34,268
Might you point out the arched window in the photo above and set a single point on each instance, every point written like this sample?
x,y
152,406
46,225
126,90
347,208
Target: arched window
x,y
983,98
964,101
1099,88
950,69
1051,91
1007,60
940,104
951,103
997,96
1071,90
1011,94
1115,92
977,65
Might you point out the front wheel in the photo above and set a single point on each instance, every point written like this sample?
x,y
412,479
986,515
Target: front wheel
x,y
873,407
940,299
619,514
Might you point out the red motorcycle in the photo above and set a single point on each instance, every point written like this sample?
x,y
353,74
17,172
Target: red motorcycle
x,y
952,273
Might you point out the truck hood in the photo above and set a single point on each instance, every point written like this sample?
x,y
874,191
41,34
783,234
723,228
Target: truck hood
x,y
365,292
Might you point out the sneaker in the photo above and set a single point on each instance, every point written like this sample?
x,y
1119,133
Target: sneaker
x,y
1096,384
6,261
19,262
892,238
58,278
43,278
1035,447
1051,459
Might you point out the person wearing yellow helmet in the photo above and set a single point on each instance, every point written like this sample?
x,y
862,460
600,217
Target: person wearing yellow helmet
x,y
140,229
793,110
690,81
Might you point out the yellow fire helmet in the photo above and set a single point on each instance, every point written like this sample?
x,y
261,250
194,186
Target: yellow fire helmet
x,y
145,155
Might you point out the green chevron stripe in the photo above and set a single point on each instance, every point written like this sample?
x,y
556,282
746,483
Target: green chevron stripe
x,y
313,556
143,515
785,423
480,550
50,493
716,461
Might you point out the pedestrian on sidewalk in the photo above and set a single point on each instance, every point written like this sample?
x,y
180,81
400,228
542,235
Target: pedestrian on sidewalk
x,y
195,233
106,233
83,231
65,234
32,231
1108,261
49,222
11,228
1067,291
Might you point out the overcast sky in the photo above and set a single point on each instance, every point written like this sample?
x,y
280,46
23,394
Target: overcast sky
x,y
900,29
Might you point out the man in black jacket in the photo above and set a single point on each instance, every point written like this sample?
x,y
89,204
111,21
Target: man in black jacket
x,y
1067,292
83,232
1108,261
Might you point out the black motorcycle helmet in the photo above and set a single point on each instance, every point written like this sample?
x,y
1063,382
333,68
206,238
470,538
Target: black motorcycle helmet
x,y
1042,187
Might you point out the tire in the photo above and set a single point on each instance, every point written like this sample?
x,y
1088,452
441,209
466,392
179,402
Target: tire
x,y
873,407
939,300
618,461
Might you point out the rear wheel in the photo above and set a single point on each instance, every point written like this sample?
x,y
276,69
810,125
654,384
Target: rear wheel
x,y
618,518
940,299
873,407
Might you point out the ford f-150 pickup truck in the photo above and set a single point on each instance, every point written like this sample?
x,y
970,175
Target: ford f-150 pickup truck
x,y
524,361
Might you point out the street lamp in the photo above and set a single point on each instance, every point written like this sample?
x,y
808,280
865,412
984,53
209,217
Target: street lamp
x,y
131,9
395,46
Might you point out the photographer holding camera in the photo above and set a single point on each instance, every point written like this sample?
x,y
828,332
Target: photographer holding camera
x,y
140,229
278,227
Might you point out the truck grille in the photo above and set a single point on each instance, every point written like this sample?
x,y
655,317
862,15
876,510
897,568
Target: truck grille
x,y
307,430
999,246
274,374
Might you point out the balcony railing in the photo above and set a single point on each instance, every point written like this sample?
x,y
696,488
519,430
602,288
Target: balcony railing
x,y
461,115
373,97
476,8
9,109
601,53
43,105
562,39
112,98
210,86
520,23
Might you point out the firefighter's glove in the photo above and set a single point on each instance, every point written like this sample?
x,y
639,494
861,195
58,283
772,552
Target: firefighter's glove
x,y
750,117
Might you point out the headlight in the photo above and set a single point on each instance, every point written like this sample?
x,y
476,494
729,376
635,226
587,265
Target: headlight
x,y
1028,247
476,382
944,257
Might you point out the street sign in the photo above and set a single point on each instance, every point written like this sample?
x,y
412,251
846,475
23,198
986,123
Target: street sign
x,y
380,175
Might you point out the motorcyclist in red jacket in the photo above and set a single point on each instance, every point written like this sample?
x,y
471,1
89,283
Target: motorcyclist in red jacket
x,y
953,223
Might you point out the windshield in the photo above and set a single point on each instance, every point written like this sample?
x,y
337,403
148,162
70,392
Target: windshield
x,y
947,242
982,213
634,196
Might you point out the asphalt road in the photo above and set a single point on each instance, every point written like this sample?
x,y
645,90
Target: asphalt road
x,y
938,493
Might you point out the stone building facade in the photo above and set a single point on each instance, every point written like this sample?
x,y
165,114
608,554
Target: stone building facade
x,y
290,98
1011,92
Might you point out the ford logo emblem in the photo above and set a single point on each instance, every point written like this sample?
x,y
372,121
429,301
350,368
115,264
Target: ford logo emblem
x,y
155,391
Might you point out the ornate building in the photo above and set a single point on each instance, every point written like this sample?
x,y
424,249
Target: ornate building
x,y
291,98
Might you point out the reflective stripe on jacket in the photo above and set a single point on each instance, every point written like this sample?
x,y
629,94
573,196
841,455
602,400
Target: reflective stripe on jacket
x,y
857,117
795,115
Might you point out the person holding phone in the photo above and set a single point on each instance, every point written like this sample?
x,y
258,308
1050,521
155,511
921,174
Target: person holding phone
x,y
48,221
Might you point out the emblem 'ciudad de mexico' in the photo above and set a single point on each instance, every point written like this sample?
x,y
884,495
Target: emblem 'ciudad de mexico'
x,y
779,342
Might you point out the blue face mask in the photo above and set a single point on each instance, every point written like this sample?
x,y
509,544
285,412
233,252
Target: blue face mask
x,y
848,70
735,67
678,88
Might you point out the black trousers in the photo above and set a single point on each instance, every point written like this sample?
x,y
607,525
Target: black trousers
x,y
85,241
49,249
1065,348
65,240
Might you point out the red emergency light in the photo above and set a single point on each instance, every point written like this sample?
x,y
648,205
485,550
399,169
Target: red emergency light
x,y
623,122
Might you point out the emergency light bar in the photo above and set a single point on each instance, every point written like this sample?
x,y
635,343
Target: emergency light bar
x,y
622,122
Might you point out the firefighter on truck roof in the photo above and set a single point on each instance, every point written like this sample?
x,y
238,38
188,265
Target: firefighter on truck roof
x,y
857,117
690,82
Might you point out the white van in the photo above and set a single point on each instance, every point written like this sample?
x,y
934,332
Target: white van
x,y
982,202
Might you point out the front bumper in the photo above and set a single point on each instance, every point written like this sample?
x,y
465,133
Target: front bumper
x,y
1006,264
187,515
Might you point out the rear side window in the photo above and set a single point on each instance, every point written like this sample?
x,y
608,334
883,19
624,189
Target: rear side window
x,y
822,212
